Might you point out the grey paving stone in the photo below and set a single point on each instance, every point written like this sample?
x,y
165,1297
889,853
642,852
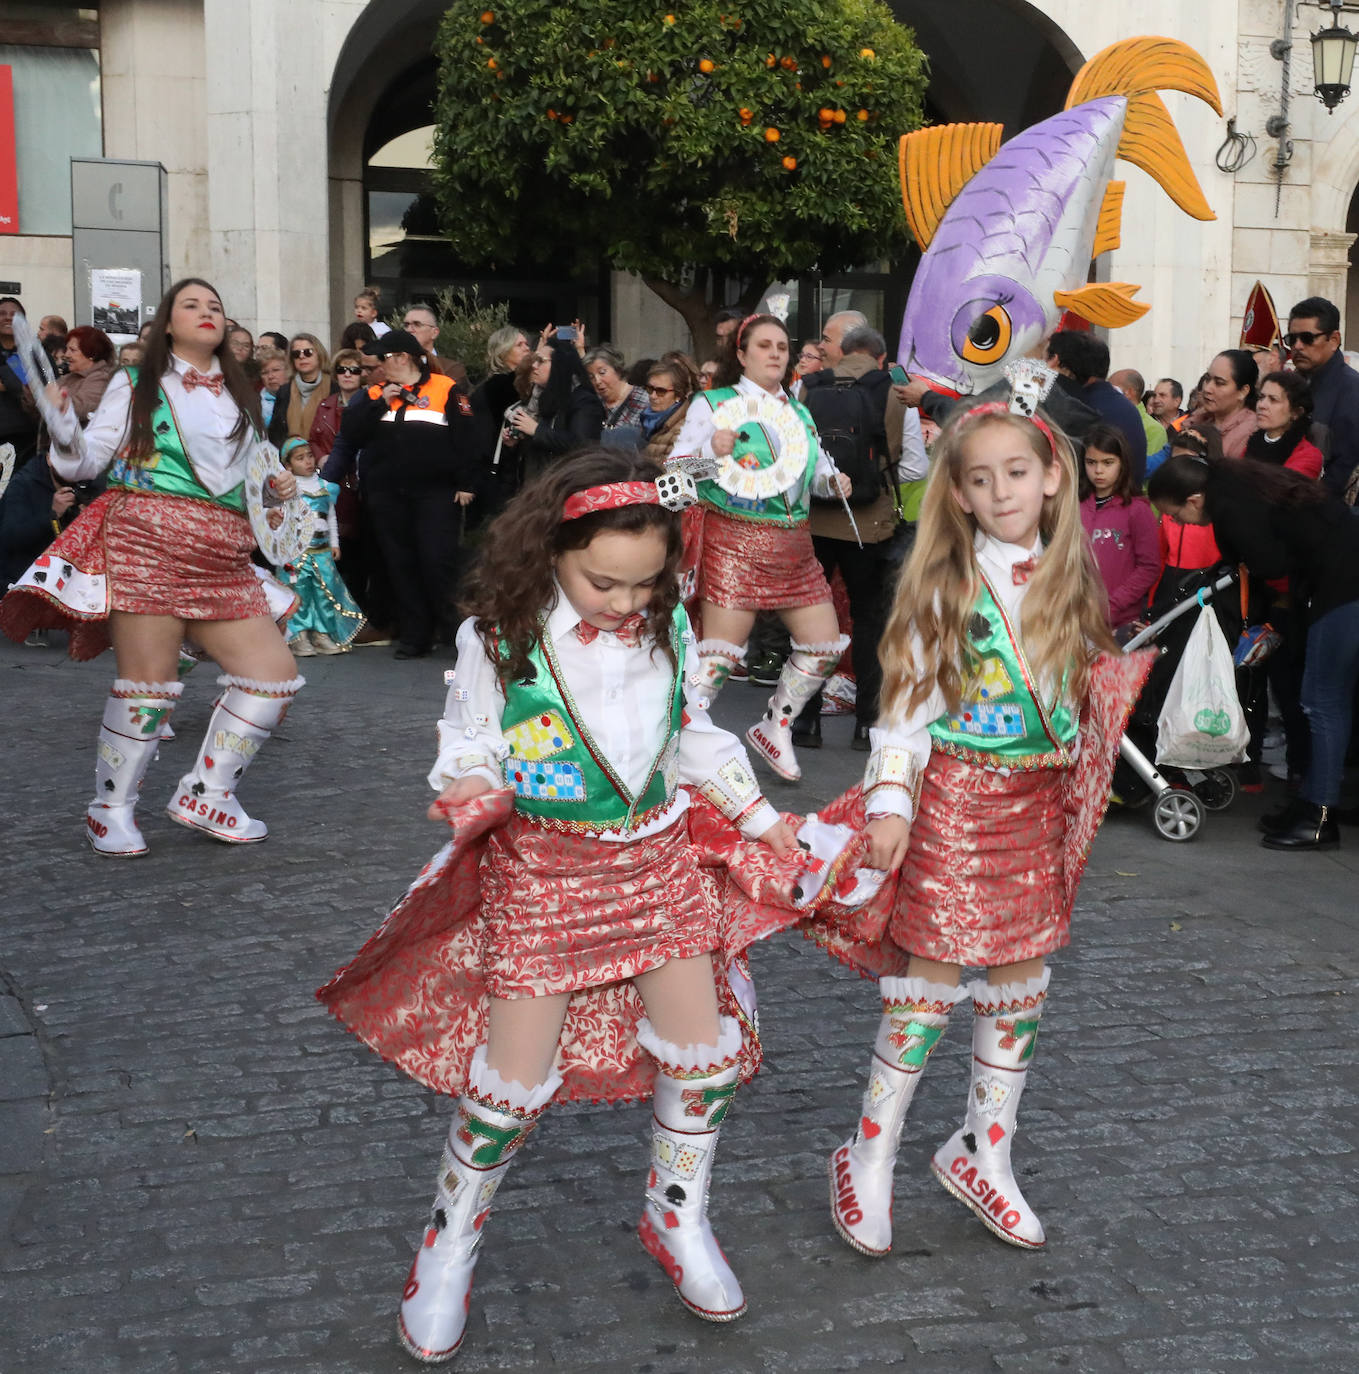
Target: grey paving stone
x,y
213,1176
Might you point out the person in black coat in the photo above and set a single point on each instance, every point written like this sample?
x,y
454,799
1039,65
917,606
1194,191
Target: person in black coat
x,y
559,409
420,466
1281,524
1314,337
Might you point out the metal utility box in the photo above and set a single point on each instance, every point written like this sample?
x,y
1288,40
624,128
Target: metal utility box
x,y
120,241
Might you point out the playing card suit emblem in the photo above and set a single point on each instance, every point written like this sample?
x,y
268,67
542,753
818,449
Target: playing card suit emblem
x,y
871,1129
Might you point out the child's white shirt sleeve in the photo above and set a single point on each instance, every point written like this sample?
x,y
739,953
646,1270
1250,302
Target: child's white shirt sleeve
x,y
900,748
713,762
471,744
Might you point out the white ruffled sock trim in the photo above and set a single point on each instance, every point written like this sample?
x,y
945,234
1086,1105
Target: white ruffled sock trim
x,y
263,689
689,1058
485,1081
720,646
921,990
125,687
838,647
989,998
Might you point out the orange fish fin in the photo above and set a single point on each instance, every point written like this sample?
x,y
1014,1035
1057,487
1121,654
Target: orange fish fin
x,y
1108,304
1136,69
935,164
1110,232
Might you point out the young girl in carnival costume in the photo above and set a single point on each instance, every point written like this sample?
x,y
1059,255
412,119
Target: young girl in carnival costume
x,y
327,619
567,945
756,550
1003,704
167,546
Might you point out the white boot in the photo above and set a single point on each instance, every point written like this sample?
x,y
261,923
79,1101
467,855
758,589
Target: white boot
x,y
245,715
708,669
135,718
494,1119
807,667
915,1014
975,1163
694,1088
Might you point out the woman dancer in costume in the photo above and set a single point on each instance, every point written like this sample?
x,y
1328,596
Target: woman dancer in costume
x,y
589,964
992,668
327,620
167,546
757,548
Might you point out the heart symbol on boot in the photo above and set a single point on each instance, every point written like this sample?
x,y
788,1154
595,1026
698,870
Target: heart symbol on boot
x,y
207,763
869,1128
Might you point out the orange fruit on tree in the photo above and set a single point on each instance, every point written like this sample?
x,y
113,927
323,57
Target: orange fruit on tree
x,y
746,115
862,116
669,18
825,61
839,116
868,53
789,63
771,61
487,17
825,114
492,63
552,114
707,66
566,118
789,164
772,135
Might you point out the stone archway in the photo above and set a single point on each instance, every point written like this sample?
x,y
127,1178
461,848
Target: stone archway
x,y
1335,220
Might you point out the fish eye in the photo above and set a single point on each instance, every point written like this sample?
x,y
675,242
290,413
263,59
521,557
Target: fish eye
x,y
988,336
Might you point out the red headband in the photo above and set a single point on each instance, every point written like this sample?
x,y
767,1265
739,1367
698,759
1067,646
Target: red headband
x,y
1000,408
747,322
673,490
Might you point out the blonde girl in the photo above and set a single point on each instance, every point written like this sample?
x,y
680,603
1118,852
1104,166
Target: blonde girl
x,y
988,773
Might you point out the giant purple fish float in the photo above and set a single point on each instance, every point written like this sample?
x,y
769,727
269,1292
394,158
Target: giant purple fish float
x,y
1008,233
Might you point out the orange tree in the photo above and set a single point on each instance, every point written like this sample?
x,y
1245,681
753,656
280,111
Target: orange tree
x,y
690,141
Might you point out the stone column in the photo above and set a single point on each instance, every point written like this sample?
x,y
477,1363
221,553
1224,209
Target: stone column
x,y
1328,272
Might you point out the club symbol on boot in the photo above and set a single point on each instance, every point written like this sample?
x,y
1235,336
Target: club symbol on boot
x,y
199,788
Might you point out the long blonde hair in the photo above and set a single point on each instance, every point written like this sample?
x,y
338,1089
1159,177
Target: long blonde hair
x,y
1063,622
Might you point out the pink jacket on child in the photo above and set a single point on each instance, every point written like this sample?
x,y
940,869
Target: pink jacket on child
x,y
1127,547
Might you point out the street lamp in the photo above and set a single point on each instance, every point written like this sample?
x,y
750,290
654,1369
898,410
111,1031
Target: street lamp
x,y
1333,52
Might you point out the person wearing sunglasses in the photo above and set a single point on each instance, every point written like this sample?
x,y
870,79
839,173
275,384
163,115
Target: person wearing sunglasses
x,y
297,402
1314,338
669,385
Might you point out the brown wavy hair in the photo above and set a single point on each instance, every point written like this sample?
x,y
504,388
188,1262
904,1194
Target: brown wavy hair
x,y
512,584
1063,620
729,370
156,362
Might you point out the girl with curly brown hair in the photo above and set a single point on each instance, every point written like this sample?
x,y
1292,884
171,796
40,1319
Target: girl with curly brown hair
x,y
593,961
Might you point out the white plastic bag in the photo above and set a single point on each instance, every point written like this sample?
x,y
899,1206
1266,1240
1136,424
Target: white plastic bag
x,y
1202,724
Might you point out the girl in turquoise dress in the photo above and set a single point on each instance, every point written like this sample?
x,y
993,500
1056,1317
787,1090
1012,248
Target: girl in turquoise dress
x,y
327,619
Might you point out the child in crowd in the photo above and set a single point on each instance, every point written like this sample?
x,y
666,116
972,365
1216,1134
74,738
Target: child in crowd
x,y
1120,525
581,955
366,310
1002,707
326,619
274,374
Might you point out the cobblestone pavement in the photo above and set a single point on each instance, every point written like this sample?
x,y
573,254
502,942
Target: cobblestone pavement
x,y
200,1171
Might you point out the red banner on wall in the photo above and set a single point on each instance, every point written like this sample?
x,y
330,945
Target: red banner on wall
x,y
9,174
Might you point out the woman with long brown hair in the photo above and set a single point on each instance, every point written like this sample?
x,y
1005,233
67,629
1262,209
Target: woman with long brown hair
x,y
757,545
163,555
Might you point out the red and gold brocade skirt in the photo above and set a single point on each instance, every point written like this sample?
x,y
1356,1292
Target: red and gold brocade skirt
x,y
564,912
984,881
752,565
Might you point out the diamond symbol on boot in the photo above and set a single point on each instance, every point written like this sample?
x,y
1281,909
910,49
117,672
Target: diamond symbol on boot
x,y
995,1133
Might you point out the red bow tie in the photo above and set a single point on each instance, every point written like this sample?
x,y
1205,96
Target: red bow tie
x,y
1021,572
193,378
628,633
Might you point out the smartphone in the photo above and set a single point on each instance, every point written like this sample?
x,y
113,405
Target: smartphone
x,y
567,334
898,375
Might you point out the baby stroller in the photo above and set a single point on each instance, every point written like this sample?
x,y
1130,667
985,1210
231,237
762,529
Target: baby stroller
x,y
1178,797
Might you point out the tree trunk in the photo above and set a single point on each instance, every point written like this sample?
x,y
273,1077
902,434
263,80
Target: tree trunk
x,y
700,313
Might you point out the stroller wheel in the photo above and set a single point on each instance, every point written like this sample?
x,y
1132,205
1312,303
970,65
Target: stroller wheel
x,y
1178,815
1217,790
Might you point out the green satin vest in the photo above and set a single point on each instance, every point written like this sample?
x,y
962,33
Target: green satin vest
x,y
558,773
1003,720
789,508
167,471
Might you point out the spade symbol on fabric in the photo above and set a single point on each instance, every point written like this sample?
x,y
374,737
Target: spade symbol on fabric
x,y
109,785
674,1193
40,577
66,570
979,626
440,1219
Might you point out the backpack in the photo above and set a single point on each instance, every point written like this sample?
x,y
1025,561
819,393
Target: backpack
x,y
849,414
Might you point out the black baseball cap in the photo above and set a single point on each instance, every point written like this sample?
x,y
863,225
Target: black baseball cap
x,y
395,341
